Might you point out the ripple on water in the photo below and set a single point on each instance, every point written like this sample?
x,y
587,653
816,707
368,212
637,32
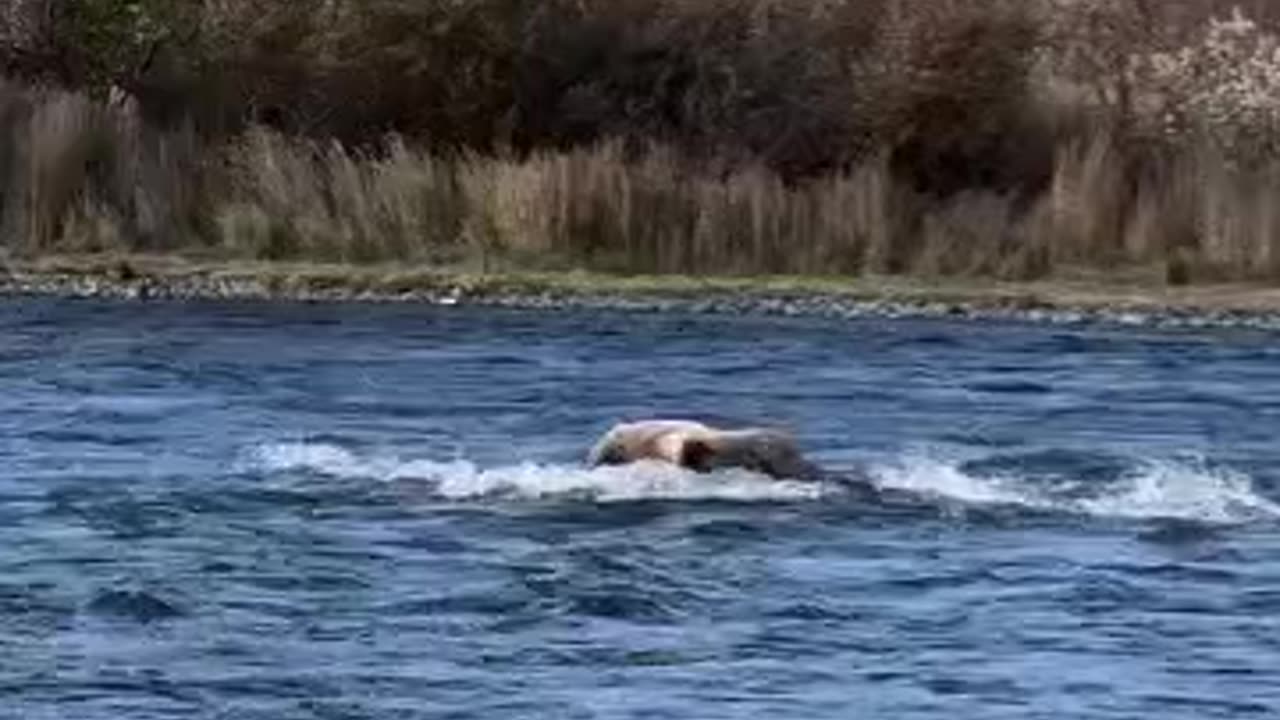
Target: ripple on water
x,y
140,606
1010,387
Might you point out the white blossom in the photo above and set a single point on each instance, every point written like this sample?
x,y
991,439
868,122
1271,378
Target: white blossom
x,y
1225,86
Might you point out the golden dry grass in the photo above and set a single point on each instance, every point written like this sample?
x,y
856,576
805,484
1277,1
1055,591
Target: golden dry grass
x,y
85,178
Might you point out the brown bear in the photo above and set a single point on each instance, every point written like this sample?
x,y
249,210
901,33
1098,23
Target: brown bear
x,y
701,448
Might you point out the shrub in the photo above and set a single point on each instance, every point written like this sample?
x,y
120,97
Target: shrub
x,y
1224,87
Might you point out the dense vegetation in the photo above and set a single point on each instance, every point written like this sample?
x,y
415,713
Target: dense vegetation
x,y
1000,138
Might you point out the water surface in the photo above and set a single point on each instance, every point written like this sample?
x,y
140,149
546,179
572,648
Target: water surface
x,y
340,511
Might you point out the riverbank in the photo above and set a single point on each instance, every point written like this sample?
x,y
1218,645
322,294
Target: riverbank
x,y
1084,300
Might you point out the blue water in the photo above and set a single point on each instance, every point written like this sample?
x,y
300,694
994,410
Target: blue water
x,y
291,511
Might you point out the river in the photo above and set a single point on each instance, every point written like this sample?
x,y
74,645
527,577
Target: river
x,y
264,511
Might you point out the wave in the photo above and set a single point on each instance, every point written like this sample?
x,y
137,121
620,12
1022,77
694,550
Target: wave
x,y
1155,489
1147,489
463,480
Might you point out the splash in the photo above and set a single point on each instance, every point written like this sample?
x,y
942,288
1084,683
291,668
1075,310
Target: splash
x,y
1155,489
1191,491
463,480
1164,489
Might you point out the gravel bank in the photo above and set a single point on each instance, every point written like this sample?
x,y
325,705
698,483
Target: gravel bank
x,y
544,294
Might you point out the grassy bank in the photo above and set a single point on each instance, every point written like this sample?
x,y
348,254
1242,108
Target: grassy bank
x,y
960,143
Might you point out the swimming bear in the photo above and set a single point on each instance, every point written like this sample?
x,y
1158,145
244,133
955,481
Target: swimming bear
x,y
702,448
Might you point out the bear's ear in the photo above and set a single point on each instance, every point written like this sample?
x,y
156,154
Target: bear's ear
x,y
697,455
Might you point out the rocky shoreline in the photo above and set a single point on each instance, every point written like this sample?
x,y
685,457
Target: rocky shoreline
x,y
445,290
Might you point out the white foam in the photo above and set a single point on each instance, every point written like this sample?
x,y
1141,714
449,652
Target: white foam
x,y
1168,489
929,476
461,479
1187,489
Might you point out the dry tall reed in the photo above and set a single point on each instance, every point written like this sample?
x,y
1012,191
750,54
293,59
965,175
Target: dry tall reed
x,y
82,176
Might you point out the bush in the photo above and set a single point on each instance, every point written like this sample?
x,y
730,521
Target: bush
x,y
803,87
956,105
1224,87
